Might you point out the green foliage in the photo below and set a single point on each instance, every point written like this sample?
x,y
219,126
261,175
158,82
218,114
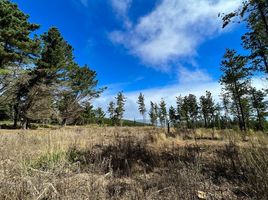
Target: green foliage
x,y
39,78
88,114
207,108
192,106
172,115
235,80
16,45
255,14
162,113
100,115
142,108
153,114
259,105
119,110
111,111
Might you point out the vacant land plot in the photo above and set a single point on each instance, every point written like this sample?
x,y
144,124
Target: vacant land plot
x,y
132,163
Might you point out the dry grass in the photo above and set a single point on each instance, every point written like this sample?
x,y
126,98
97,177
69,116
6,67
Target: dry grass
x,y
132,163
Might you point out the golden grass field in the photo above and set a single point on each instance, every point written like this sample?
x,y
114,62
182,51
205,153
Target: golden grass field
x,y
132,163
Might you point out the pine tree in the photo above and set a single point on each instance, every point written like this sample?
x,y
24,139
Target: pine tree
x,y
259,105
207,108
185,111
153,114
179,111
235,80
80,87
142,108
119,110
111,111
193,109
172,115
162,113
100,115
226,108
55,59
88,114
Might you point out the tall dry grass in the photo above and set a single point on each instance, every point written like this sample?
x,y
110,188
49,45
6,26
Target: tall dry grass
x,y
132,163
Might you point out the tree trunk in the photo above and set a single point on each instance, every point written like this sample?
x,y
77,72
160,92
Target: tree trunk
x,y
23,124
240,111
206,123
1,63
238,115
16,115
242,115
63,123
27,123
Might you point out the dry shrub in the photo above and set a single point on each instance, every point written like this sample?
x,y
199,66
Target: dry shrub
x,y
123,158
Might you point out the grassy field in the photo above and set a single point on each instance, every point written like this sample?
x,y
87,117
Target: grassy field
x,y
132,163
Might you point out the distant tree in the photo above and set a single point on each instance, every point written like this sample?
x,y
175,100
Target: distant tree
x,y
88,114
180,113
193,109
217,117
259,105
142,108
185,111
226,103
153,113
172,115
235,80
111,111
162,113
207,108
100,115
119,110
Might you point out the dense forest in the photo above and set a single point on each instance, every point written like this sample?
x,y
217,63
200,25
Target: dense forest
x,y
41,83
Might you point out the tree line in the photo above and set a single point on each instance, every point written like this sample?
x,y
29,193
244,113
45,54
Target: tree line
x,y
191,112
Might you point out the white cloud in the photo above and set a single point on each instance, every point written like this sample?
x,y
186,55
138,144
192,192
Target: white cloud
x,y
173,30
121,6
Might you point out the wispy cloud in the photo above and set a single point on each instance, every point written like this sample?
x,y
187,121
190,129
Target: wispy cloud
x,y
121,6
173,30
192,76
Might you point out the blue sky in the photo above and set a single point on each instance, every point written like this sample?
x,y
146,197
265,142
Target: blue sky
x,y
162,48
